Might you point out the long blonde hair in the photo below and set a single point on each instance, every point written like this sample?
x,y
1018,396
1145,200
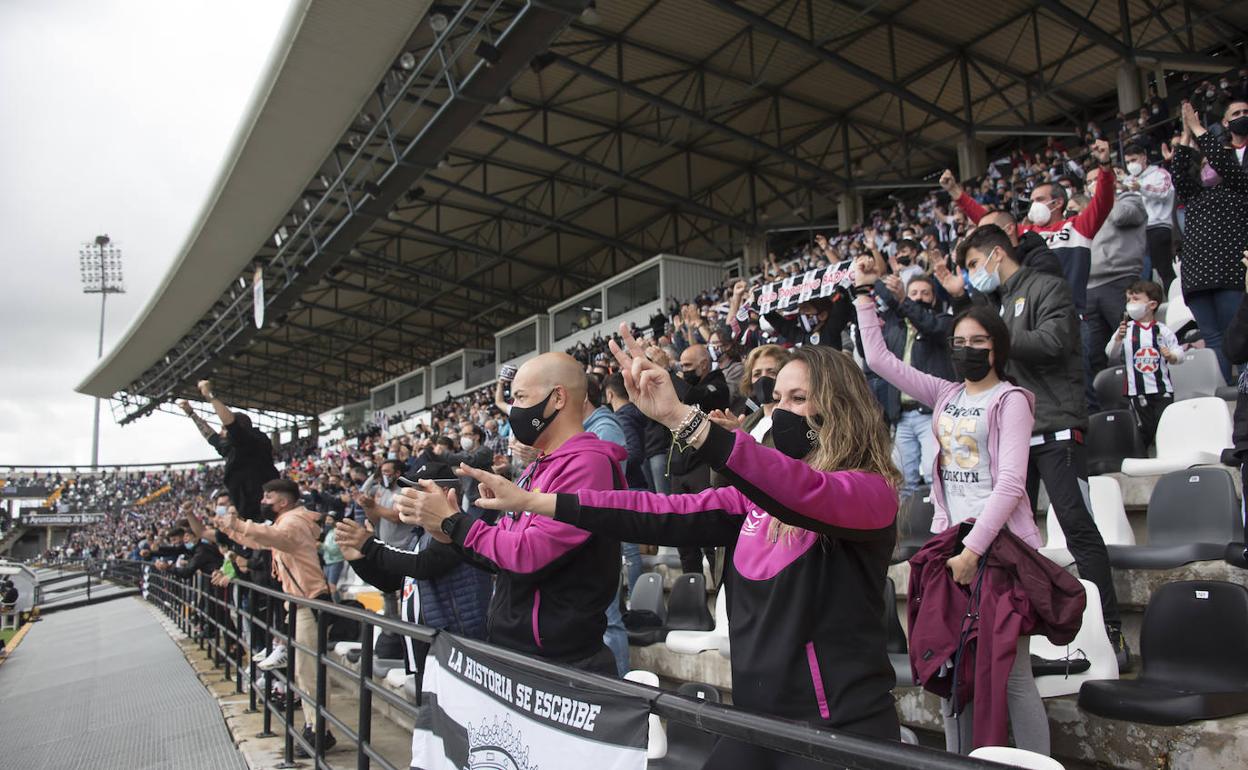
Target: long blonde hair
x,y
852,434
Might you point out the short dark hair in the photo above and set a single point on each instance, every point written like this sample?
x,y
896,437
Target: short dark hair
x,y
283,487
445,441
1149,289
1134,149
1058,189
474,429
988,318
593,390
908,243
985,238
391,462
615,384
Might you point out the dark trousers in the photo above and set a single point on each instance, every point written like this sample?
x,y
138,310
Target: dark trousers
x,y
1102,314
730,754
1147,411
694,481
1161,254
1063,467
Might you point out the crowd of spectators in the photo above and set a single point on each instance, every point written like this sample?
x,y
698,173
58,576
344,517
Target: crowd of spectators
x,y
1103,216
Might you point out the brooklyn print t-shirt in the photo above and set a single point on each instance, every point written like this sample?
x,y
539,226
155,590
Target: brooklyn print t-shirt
x,y
962,429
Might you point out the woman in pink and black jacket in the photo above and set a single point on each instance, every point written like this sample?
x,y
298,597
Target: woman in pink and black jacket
x,y
983,424
810,527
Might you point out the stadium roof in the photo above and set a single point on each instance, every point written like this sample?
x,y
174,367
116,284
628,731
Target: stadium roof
x,y
410,188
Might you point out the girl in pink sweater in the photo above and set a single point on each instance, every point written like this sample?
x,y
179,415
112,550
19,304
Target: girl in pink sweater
x,y
983,424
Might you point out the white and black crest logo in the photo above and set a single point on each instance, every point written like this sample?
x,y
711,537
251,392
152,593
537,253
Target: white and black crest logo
x,y
497,745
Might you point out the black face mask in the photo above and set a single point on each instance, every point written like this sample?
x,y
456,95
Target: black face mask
x,y
528,422
693,378
266,510
1239,126
904,261
970,364
792,434
764,390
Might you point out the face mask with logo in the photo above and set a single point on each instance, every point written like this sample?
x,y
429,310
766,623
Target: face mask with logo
x,y
529,422
1137,310
1135,168
792,434
970,364
1039,213
764,390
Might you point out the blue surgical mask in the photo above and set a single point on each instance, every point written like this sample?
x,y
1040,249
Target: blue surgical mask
x,y
222,510
985,282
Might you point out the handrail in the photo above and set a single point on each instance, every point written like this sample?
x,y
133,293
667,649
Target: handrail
x,y
191,606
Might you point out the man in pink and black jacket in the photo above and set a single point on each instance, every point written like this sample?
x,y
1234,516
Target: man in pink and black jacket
x,y
1070,238
554,580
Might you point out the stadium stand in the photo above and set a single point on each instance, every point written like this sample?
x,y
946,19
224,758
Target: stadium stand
x,y
427,265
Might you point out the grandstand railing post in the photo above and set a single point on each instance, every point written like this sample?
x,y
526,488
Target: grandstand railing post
x,y
267,732
322,677
88,571
233,596
365,729
246,617
288,751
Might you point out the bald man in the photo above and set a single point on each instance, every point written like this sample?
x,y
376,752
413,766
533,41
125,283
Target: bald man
x,y
554,580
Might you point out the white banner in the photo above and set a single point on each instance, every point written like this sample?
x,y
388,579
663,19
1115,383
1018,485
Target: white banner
x,y
477,711
794,290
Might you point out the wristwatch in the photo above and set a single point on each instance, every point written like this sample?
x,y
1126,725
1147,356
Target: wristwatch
x,y
448,525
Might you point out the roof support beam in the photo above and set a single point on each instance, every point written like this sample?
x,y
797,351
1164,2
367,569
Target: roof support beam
x,y
769,27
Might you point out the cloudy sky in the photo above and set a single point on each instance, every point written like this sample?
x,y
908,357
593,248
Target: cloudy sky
x,y
116,114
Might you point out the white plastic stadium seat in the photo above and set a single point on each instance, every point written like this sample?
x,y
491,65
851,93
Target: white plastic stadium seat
x,y
1006,755
1108,512
693,642
397,677
1191,432
1092,642
1197,376
656,748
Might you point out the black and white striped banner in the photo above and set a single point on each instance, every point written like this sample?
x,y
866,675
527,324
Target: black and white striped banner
x,y
479,712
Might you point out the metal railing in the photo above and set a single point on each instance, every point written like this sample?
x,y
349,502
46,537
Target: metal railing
x,y
204,612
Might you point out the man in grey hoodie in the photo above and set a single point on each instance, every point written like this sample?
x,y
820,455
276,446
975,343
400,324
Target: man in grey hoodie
x,y
1117,259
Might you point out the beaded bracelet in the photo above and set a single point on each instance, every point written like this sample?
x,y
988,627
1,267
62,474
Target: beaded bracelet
x,y
688,426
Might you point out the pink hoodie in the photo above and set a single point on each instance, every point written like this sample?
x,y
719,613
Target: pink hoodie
x,y
1010,415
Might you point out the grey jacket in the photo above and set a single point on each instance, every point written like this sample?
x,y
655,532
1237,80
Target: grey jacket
x,y
1119,246
1046,350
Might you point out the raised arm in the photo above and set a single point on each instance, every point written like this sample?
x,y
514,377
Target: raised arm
x,y
223,412
202,425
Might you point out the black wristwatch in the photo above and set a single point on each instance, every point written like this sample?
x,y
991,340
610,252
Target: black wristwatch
x,y
448,525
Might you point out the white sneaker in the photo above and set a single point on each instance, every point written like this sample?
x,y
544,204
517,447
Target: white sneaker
x,y
275,659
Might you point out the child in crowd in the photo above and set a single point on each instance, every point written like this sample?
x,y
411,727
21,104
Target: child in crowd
x,y
1149,349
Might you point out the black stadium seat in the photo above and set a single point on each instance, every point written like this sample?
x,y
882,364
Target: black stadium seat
x,y
1192,661
646,614
1112,437
686,607
688,746
1192,515
1108,387
915,524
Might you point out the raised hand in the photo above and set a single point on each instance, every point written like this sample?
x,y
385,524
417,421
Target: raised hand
x,y
950,280
649,385
726,420
949,183
427,507
205,388
866,271
498,493
350,538
1100,151
185,406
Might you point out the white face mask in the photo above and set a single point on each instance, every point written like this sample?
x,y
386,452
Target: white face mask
x,y
1039,213
1135,168
465,442
1137,310
386,479
222,510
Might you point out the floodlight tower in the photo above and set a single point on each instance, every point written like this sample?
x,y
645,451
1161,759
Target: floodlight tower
x,y
100,265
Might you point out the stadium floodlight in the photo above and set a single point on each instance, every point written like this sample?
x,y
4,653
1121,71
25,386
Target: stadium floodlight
x,y
100,265
439,22
407,62
507,102
590,15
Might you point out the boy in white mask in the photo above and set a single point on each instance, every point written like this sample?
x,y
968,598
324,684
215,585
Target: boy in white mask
x,y
1149,349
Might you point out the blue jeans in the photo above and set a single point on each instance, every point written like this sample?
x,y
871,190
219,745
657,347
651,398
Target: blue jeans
x,y
632,561
655,471
1214,309
616,636
916,449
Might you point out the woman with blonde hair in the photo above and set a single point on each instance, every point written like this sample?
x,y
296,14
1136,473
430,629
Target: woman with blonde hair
x,y
758,384
809,527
